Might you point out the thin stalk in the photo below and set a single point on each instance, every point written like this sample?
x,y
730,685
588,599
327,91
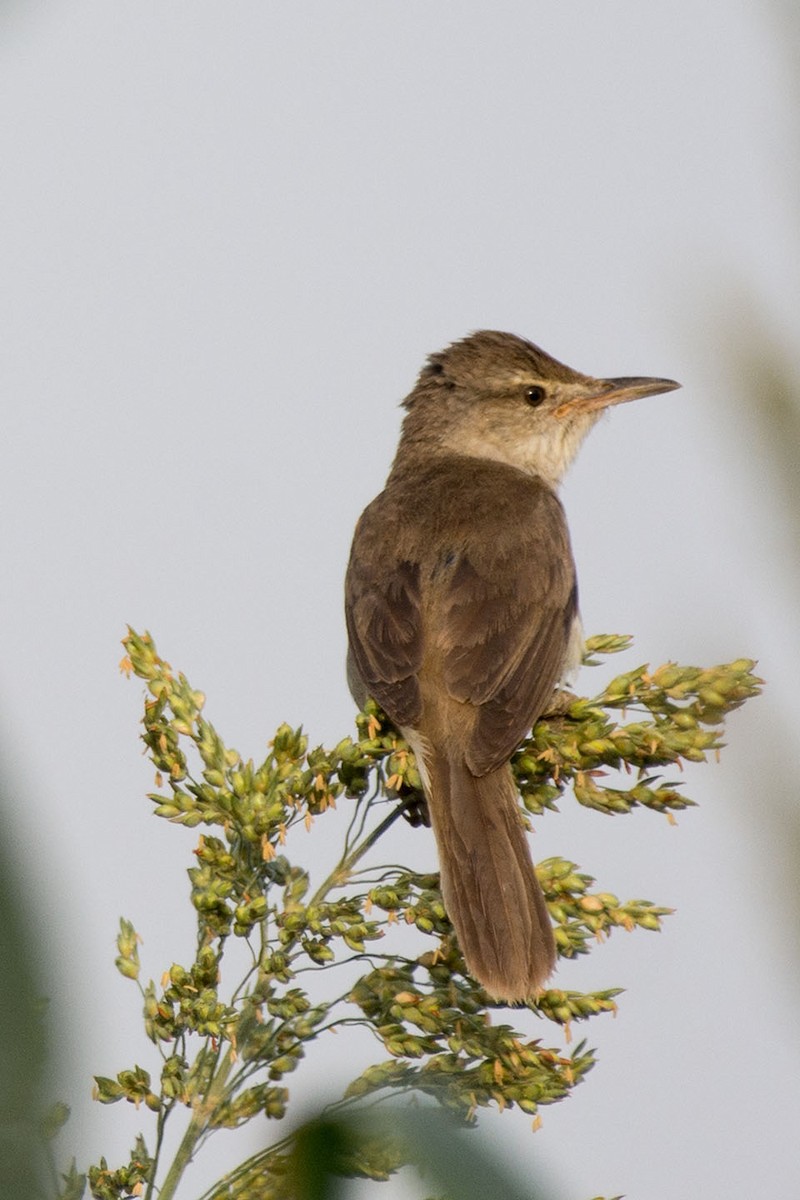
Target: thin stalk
x,y
341,872
197,1127
160,1127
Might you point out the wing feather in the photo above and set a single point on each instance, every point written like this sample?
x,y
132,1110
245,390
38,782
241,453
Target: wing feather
x,y
474,587
382,611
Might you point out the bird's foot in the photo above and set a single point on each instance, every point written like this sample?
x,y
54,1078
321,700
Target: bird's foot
x,y
415,810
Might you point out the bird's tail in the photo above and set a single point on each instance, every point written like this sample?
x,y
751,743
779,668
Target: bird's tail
x,y
489,886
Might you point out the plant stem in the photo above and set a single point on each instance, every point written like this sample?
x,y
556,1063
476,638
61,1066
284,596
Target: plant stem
x,y
162,1119
340,873
201,1111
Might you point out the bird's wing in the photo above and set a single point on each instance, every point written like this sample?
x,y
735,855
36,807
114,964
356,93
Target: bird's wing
x,y
482,605
505,616
382,610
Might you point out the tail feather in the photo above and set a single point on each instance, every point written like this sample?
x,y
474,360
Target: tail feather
x,y
489,886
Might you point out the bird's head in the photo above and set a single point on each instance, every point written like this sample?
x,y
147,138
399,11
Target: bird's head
x,y
494,395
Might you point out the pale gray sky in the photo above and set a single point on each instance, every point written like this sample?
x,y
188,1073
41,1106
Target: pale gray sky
x,y
230,234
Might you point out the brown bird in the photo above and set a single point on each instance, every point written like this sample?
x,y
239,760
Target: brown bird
x,y
462,615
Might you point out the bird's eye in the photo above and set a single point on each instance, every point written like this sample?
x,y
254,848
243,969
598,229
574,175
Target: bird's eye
x,y
534,396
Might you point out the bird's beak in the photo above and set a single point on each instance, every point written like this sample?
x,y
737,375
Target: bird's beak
x,y
602,393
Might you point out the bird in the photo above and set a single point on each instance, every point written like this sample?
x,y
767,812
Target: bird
x,y
461,606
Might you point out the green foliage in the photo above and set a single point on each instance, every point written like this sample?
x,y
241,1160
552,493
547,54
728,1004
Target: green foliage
x,y
25,1132
226,1047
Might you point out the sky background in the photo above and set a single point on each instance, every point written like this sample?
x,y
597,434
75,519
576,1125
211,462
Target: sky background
x,y
229,237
